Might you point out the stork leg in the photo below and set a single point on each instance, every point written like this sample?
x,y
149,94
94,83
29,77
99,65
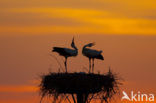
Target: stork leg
x,y
89,64
93,65
65,63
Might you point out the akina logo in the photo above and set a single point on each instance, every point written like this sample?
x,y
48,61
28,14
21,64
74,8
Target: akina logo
x,y
138,96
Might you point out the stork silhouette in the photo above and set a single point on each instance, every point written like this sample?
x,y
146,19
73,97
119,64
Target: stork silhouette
x,y
91,54
66,52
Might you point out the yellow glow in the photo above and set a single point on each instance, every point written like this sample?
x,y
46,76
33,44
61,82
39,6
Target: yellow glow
x,y
121,17
92,21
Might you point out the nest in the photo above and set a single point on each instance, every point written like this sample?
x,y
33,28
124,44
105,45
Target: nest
x,y
103,86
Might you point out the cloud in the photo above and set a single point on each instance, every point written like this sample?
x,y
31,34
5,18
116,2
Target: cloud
x,y
121,17
90,21
17,88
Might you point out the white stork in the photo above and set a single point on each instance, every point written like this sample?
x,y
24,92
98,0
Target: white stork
x,y
91,54
66,52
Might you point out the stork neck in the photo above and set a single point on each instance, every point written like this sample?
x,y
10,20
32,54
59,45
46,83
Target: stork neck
x,y
85,46
73,46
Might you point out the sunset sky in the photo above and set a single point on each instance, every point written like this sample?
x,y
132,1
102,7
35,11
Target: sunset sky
x,y
124,29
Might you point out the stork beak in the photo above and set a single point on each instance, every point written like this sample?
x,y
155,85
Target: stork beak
x,y
94,43
73,39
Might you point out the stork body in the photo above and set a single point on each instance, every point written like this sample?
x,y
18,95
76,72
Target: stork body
x,y
66,52
91,54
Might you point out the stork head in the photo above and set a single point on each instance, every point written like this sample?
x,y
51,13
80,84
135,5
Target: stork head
x,y
73,44
91,44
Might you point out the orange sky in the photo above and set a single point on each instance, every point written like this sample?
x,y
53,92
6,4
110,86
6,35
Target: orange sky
x,y
124,29
78,16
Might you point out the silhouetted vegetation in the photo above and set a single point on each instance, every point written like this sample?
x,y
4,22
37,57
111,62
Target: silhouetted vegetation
x,y
85,86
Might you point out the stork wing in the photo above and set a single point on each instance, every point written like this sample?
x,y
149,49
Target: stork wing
x,y
70,51
61,51
92,52
89,45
